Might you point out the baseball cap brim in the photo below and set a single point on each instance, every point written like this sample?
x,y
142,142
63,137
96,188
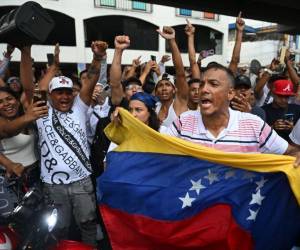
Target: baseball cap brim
x,y
284,93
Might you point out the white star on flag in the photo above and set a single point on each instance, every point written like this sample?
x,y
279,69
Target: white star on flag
x,y
197,186
212,177
252,215
187,200
257,198
260,183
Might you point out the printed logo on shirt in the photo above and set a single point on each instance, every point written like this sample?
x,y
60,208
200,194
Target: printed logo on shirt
x,y
60,177
62,156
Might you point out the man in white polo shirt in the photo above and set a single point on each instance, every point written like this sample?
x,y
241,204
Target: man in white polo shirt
x,y
65,165
217,126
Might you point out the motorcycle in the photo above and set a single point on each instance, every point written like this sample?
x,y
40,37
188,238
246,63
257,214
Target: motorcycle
x,y
31,225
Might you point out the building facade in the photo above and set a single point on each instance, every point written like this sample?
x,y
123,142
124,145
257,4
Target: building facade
x,y
82,21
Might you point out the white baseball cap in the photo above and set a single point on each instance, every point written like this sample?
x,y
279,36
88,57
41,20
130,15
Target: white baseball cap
x,y
60,82
167,77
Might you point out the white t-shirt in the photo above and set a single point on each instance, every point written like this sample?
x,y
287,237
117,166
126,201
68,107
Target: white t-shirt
x,y
63,144
295,134
261,101
171,114
102,111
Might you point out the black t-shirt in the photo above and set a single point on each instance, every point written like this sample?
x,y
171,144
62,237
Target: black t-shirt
x,y
259,112
100,142
124,104
274,114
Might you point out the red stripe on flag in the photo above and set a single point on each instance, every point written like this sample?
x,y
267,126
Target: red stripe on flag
x,y
212,229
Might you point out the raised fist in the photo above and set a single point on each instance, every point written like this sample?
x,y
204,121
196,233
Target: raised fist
x,y
122,42
99,48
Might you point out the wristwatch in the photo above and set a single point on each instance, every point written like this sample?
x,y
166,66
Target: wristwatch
x,y
270,72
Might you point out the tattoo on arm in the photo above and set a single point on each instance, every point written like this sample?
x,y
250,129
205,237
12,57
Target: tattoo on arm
x,y
92,71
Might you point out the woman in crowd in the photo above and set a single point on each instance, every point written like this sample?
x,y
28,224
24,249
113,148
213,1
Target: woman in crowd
x,y
142,107
17,145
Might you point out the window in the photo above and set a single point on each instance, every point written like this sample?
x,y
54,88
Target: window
x,y
110,3
207,39
185,12
146,40
138,5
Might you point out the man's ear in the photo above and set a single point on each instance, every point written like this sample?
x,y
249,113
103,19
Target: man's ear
x,y
231,94
175,90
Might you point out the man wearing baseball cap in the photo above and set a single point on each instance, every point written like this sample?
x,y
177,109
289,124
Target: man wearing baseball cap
x,y
280,114
242,98
131,86
14,84
64,149
61,93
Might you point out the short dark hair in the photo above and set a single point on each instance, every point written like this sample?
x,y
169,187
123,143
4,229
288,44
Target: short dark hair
x,y
82,72
228,72
9,91
76,81
193,80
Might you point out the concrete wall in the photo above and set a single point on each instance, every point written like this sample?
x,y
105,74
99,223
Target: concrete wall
x,y
263,51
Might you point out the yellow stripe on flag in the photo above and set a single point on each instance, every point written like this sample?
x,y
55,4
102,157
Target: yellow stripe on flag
x,y
134,136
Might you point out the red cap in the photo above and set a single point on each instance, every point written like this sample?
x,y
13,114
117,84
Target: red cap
x,y
283,87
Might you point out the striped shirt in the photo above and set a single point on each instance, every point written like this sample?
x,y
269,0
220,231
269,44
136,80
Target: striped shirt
x,y
245,133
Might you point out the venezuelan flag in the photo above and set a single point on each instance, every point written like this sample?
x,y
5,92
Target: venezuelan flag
x,y
160,192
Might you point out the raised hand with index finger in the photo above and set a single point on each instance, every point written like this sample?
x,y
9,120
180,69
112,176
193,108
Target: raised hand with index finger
x,y
240,23
189,28
167,32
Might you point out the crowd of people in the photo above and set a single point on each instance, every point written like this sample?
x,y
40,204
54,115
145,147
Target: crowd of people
x,y
52,126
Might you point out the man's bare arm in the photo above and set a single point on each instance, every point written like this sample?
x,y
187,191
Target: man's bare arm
x,y
117,94
235,59
99,52
294,151
190,32
181,99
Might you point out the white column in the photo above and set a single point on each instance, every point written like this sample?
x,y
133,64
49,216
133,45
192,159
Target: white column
x,y
80,41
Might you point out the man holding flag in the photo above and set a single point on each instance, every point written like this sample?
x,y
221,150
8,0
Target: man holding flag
x,y
218,126
161,192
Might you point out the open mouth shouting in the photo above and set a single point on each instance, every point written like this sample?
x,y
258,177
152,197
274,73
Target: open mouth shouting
x,y
205,102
